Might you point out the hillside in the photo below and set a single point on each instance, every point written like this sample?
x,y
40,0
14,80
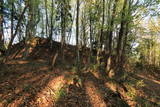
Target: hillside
x,y
32,83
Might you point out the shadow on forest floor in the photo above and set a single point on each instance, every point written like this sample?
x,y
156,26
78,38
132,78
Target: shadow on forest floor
x,y
21,80
32,83
149,93
93,93
142,89
27,82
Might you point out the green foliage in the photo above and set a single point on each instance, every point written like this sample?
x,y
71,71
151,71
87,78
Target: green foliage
x,y
140,83
60,93
132,86
94,67
74,69
132,93
148,51
63,13
2,47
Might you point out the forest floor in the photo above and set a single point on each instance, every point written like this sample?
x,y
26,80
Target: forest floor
x,y
32,83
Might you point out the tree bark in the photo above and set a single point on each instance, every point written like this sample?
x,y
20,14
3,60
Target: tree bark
x,y
122,31
110,34
46,17
63,27
101,35
1,21
126,33
33,14
91,36
77,37
51,30
17,26
12,21
111,27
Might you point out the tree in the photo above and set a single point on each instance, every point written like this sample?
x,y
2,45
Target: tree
x,y
33,19
1,21
110,35
100,42
46,12
64,15
77,35
17,26
122,31
51,29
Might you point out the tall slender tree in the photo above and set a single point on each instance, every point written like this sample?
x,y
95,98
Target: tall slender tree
x,y
12,18
100,42
91,34
1,20
122,31
46,13
77,35
51,29
110,34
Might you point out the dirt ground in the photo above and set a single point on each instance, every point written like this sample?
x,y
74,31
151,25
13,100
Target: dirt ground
x,y
32,83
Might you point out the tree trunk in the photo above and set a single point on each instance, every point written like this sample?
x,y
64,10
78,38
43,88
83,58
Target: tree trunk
x,y
91,38
83,29
121,32
101,35
63,27
46,18
12,21
77,37
124,44
1,21
51,30
111,27
17,26
33,14
110,33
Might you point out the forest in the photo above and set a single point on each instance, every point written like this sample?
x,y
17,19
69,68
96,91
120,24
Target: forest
x,y
79,53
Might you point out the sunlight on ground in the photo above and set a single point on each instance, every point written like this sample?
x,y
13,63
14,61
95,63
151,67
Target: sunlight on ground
x,y
48,95
18,62
150,79
111,86
23,62
94,96
114,87
44,68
